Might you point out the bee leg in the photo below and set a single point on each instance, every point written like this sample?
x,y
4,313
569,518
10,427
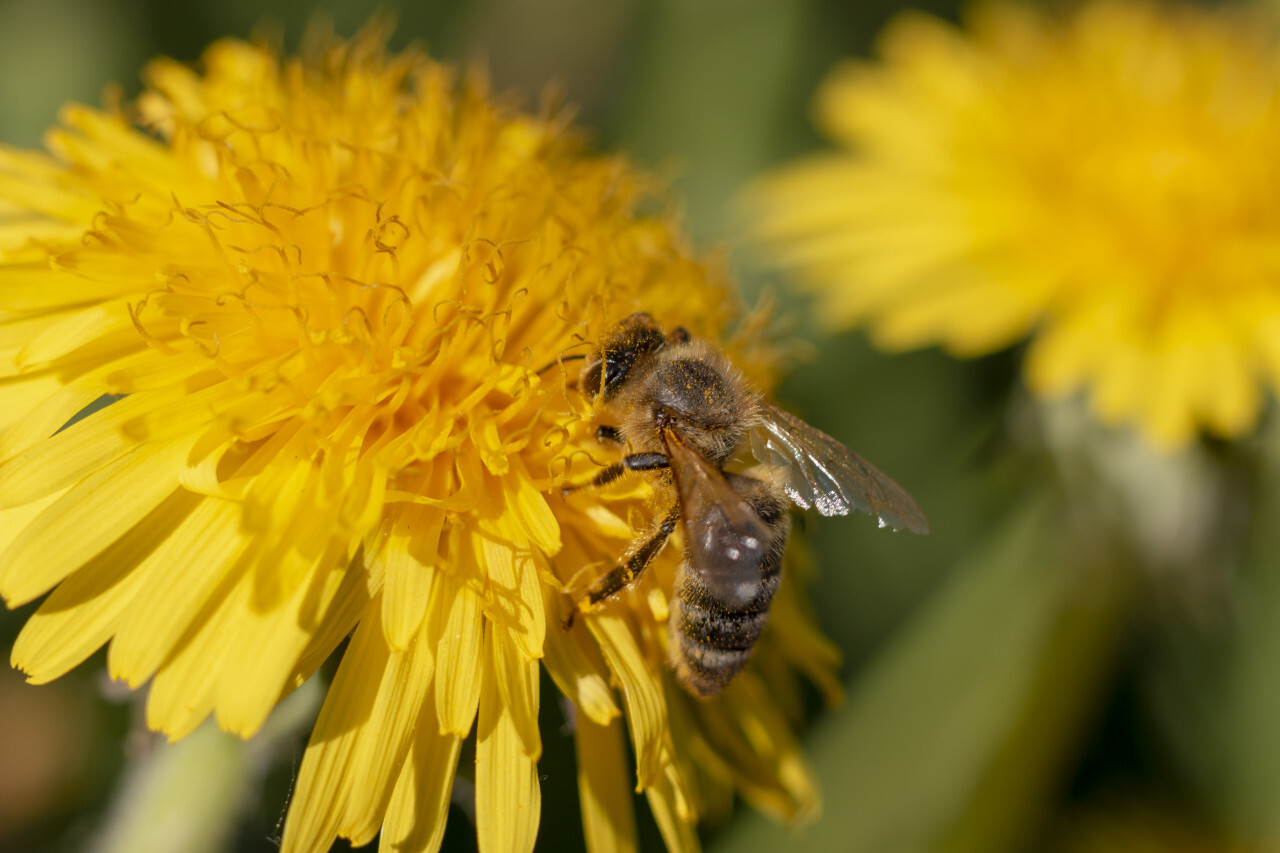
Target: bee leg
x,y
606,475
626,572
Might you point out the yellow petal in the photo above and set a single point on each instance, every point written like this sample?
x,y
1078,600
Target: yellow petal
x,y
531,510
185,691
16,332
608,815
804,646
98,440
288,525
86,608
408,557
767,763
153,370
13,523
489,444
90,516
385,738
515,594
677,829
349,602
319,799
701,778
263,646
117,140
363,495
38,183
21,394
96,326
575,665
641,693
193,408
272,497
215,453
608,523
456,626
19,229
508,798
36,165
38,406
420,803
531,567
220,664
1061,356
209,661
181,576
517,679
36,287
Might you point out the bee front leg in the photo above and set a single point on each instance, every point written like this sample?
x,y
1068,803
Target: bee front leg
x,y
626,572
606,475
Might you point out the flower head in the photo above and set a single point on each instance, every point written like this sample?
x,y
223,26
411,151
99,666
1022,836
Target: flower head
x,y
1103,182
324,289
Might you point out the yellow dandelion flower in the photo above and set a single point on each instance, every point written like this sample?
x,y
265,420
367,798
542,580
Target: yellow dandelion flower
x,y
323,288
1103,182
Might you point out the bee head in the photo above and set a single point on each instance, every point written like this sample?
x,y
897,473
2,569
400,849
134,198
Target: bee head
x,y
607,368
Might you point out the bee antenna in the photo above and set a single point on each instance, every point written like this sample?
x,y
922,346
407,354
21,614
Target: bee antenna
x,y
561,360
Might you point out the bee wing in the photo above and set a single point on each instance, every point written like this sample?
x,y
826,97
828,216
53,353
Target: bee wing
x,y
823,473
725,537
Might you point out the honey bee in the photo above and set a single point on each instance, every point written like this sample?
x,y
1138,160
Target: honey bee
x,y
683,412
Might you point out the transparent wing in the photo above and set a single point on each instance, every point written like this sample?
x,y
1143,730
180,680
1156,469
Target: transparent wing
x,y
725,537
823,473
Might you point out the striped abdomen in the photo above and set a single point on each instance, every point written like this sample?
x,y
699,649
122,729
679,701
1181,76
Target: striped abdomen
x,y
711,638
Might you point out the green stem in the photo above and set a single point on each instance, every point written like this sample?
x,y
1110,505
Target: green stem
x,y
188,796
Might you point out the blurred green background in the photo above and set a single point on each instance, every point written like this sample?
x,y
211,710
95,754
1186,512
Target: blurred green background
x,y
1028,677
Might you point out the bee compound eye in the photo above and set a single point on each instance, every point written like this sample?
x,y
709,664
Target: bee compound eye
x,y
591,377
614,371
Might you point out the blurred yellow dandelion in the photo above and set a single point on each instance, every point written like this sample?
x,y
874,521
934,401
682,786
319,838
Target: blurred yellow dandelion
x,y
1105,182
323,288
